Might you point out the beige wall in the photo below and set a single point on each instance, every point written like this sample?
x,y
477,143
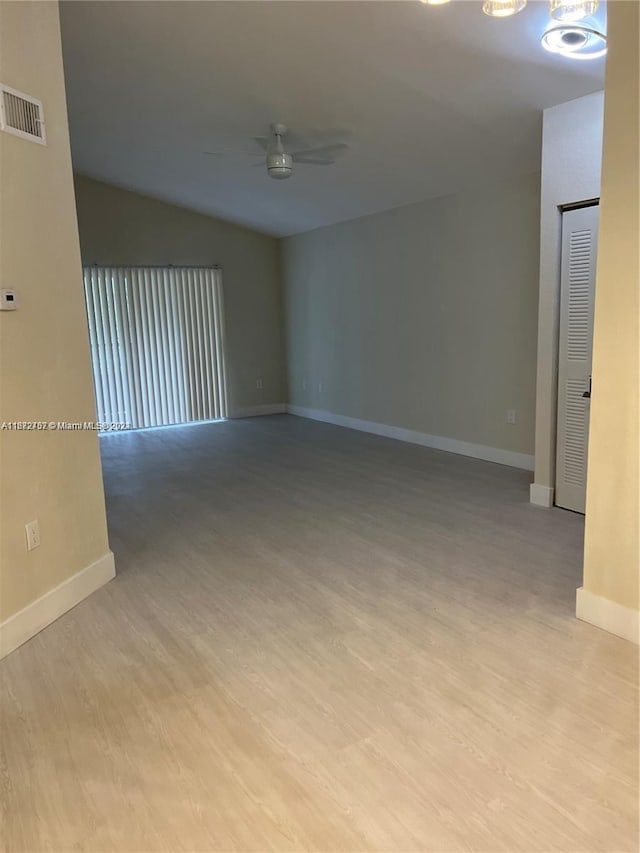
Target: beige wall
x,y
422,317
45,372
612,560
120,227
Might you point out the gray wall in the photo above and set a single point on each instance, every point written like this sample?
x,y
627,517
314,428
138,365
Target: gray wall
x,y
122,228
422,317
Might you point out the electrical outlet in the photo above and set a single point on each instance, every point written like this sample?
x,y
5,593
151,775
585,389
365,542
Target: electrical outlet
x,y
511,416
33,535
259,384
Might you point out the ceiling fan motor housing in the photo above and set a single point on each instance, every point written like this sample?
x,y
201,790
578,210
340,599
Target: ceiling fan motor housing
x,y
279,165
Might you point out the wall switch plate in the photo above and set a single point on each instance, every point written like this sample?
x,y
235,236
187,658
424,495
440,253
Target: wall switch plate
x,y
259,384
33,535
304,384
320,387
511,416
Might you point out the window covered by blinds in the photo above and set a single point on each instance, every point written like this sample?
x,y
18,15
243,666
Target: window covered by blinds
x,y
157,344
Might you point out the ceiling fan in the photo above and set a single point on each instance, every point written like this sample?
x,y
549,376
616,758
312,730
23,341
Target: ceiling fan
x,y
279,162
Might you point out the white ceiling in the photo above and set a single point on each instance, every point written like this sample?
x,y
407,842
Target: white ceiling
x,y
431,99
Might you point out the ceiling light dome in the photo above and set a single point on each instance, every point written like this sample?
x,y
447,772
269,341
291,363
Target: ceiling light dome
x,y
503,8
435,2
575,41
279,165
572,10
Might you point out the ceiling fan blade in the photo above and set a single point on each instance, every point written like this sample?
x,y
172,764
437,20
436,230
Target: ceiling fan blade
x,y
226,151
307,159
263,141
325,153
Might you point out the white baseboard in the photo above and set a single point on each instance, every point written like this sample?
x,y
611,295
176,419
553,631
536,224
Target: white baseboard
x,y
541,495
256,411
608,615
451,445
29,621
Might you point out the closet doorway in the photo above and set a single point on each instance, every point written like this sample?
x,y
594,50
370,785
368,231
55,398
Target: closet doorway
x,y
577,296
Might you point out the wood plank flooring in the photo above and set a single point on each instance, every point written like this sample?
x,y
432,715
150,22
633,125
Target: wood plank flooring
x,y
322,640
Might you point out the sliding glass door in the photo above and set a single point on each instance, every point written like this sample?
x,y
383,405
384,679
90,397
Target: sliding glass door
x,y
157,344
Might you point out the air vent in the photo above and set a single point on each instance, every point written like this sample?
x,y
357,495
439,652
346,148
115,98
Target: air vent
x,y
21,115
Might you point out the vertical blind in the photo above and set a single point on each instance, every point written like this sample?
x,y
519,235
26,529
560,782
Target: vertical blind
x,y
157,344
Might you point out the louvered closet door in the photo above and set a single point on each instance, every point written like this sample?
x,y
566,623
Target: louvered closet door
x,y
577,286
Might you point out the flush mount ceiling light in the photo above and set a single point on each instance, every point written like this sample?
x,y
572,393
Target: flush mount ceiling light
x,y
435,2
572,10
575,42
503,8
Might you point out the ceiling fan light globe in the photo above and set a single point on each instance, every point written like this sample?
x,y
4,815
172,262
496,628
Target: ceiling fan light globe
x,y
503,8
279,165
572,10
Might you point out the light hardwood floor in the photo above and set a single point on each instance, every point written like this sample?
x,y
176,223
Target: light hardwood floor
x,y
322,640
